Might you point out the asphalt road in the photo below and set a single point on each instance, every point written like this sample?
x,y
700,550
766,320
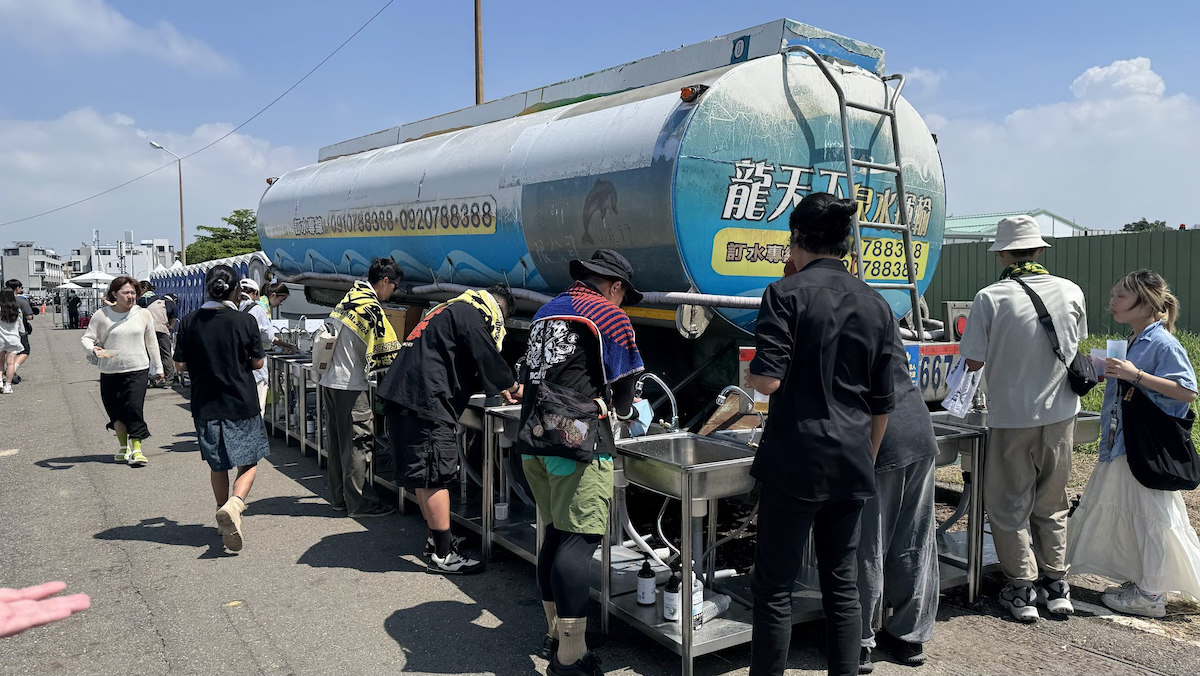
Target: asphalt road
x,y
315,592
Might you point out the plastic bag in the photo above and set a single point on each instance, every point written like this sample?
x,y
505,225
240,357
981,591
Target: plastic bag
x,y
963,384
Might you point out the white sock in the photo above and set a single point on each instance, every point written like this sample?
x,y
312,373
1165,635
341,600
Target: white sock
x,y
551,609
572,644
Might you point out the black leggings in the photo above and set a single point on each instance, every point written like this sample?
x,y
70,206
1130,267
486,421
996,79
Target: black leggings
x,y
563,570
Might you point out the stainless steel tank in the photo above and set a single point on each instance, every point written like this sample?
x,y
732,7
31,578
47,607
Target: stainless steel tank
x,y
695,193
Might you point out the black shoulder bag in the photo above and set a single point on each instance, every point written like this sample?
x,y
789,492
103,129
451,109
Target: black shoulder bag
x,y
1080,372
1159,445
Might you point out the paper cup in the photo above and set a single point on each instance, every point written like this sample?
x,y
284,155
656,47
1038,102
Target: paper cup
x,y
1117,349
502,511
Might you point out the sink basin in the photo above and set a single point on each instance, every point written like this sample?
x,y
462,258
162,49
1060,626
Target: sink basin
x,y
718,469
1087,423
952,440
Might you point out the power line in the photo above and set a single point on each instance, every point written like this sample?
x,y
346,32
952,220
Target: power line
x,y
230,133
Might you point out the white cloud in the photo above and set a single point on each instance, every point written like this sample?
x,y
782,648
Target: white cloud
x,y
1118,80
45,164
1118,150
93,27
927,80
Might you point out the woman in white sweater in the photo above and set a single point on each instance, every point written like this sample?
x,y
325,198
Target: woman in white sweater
x,y
121,339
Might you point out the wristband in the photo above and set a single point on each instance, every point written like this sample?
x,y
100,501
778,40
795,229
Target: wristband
x,y
603,408
1138,379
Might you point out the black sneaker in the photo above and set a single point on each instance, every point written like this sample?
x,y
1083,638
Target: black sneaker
x,y
455,542
1055,595
910,654
374,513
454,564
588,665
16,379
865,665
549,647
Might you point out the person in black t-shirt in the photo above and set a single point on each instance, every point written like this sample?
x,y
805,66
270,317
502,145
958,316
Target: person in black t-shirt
x,y
73,304
452,353
824,354
220,348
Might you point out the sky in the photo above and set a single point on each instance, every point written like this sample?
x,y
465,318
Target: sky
x,y
1088,109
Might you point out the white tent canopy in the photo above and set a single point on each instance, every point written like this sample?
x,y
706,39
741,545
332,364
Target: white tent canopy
x,y
94,276
69,286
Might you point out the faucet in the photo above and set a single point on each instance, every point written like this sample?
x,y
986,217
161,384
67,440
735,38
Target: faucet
x,y
747,401
745,407
637,392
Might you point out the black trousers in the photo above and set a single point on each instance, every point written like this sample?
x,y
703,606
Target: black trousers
x,y
784,523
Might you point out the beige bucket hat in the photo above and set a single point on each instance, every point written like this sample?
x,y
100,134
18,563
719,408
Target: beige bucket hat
x,y
1017,233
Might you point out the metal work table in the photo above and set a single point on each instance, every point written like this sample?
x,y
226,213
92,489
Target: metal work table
x,y
290,378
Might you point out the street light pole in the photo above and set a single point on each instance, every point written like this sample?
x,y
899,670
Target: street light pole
x,y
182,237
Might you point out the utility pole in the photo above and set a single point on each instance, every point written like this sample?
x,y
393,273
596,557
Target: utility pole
x,y
478,53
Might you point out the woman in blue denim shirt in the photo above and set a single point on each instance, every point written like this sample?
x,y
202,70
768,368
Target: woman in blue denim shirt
x,y
1123,530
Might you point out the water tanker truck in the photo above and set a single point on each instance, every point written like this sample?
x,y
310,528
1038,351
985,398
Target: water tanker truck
x,y
688,163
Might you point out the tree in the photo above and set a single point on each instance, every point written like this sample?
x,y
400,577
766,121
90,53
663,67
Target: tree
x,y
1145,226
221,242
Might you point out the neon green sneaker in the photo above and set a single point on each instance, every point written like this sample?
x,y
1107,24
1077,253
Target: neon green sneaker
x,y
122,454
136,459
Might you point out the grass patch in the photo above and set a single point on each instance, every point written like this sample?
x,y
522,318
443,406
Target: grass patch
x,y
1094,400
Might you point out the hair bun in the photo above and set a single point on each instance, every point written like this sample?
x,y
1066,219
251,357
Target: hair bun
x,y
220,286
845,208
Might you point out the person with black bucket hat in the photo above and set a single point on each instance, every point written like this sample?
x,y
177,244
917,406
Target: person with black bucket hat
x,y
581,368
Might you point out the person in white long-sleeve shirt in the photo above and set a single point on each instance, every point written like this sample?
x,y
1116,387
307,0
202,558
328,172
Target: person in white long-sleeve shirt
x,y
121,339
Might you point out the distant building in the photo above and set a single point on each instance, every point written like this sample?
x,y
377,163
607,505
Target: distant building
x,y
38,268
122,258
982,228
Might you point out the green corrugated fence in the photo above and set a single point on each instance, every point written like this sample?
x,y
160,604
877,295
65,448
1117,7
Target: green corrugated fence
x,y
1092,262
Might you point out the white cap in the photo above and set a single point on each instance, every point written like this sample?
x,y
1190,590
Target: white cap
x,y
1018,233
248,284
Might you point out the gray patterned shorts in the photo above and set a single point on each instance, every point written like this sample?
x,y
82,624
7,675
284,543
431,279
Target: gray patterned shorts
x,y
226,444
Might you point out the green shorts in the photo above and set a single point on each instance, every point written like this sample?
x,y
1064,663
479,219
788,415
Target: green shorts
x,y
573,496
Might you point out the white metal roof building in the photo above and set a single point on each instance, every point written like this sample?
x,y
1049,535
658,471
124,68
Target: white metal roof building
x,y
982,228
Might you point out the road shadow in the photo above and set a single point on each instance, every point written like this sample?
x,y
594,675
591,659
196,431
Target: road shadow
x,y
182,446
293,505
68,462
452,637
164,531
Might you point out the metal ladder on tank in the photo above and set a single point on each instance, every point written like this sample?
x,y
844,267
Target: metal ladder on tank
x,y
891,96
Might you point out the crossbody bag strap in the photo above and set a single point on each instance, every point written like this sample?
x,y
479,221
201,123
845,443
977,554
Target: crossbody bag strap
x,y
1044,319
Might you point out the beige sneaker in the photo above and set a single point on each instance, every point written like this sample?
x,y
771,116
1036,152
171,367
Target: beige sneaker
x,y
229,523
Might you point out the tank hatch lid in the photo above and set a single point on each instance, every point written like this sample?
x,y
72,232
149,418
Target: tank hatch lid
x,y
744,45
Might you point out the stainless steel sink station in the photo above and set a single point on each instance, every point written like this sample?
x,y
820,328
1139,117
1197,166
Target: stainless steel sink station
x,y
699,471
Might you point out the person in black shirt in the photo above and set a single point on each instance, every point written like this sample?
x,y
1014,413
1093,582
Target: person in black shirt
x,y
451,354
73,304
824,354
220,348
897,552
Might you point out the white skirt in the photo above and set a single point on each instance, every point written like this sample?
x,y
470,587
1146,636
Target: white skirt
x,y
1127,532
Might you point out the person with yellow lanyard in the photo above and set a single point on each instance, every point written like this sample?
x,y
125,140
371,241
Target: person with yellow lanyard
x,y
451,354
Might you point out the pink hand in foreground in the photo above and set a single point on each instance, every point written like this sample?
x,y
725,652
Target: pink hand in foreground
x,y
21,609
